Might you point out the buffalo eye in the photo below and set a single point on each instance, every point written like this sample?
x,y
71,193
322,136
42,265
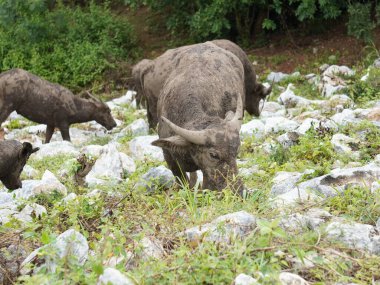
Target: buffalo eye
x,y
214,155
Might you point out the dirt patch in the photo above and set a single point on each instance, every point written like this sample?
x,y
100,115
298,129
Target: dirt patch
x,y
288,55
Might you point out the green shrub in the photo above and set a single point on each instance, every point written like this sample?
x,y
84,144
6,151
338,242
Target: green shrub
x,y
71,46
249,19
360,24
363,91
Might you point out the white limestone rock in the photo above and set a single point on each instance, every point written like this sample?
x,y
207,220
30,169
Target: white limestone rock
x,y
253,128
223,228
141,148
112,276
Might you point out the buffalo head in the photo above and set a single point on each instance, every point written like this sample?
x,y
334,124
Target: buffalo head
x,y
11,177
260,92
102,113
213,150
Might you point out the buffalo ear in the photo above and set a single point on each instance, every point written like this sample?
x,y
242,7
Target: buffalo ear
x,y
174,143
27,149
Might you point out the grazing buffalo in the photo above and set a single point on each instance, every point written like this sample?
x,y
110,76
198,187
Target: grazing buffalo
x,y
201,109
150,76
47,103
13,156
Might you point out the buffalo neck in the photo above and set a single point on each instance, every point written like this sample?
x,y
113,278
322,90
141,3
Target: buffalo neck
x,y
85,111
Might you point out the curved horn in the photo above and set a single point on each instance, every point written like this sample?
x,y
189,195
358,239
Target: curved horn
x,y
238,117
195,137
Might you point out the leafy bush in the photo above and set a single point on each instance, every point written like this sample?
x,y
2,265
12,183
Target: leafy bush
x,y
248,19
362,91
72,46
360,24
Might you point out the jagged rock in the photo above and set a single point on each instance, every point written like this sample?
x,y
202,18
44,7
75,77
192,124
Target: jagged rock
x,y
70,197
323,67
291,100
332,82
6,200
338,70
111,165
136,128
345,145
345,117
152,248
47,185
79,136
157,178
38,210
287,278
29,172
247,172
309,221
113,276
307,125
272,107
329,89
341,99
244,279
307,262
331,184
375,186
36,129
374,115
285,181
277,76
128,98
92,150
355,235
223,228
319,126
141,148
10,258
56,148
6,214
279,124
70,244
253,128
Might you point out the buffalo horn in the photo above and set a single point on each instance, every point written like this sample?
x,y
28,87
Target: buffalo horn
x,y
195,137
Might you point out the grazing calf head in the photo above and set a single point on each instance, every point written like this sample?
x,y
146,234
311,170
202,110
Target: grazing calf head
x,y
17,160
260,92
102,113
103,116
213,150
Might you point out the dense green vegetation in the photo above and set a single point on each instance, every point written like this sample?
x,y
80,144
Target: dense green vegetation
x,y
247,20
70,45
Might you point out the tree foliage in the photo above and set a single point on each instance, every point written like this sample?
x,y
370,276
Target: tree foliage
x,y
69,45
246,19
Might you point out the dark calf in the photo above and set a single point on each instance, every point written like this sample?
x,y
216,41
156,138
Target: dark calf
x,y
13,157
47,103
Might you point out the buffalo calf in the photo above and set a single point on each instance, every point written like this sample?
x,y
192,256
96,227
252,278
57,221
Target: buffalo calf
x,y
13,157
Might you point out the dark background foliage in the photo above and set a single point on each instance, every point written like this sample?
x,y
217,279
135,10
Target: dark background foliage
x,y
78,42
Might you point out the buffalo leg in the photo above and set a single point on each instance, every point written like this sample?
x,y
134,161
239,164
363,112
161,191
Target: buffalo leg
x,y
49,133
65,132
4,115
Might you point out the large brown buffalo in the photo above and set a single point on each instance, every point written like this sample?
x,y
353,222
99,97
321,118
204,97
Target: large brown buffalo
x,y
200,109
151,75
47,103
